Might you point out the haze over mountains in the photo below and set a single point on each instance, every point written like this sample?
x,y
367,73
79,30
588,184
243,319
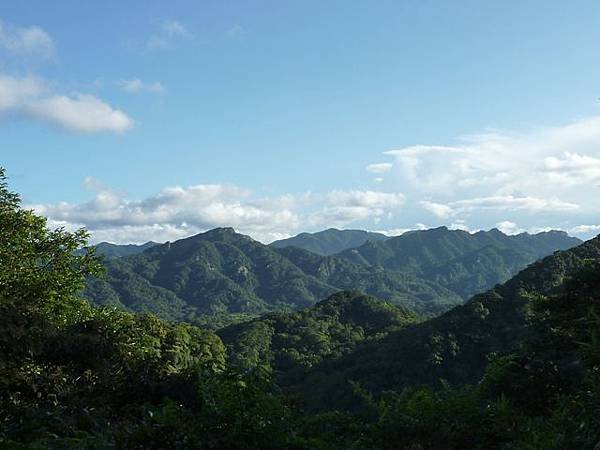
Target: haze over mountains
x,y
221,271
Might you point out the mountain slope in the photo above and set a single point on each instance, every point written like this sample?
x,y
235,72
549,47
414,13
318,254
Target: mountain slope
x,y
455,346
116,251
222,272
294,342
109,250
462,262
330,241
216,271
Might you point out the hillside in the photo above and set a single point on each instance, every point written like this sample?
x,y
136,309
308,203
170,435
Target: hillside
x,y
457,345
223,272
116,251
294,342
330,241
462,262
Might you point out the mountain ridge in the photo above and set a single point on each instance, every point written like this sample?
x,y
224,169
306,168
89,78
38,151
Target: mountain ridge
x,y
330,241
221,271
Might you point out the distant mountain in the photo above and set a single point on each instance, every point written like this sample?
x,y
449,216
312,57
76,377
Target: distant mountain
x,y
221,271
462,262
116,251
456,346
329,242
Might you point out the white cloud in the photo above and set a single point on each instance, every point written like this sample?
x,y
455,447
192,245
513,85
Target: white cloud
x,y
508,227
585,229
399,231
16,92
26,42
572,169
511,203
541,177
176,212
379,168
81,114
136,86
342,207
30,97
370,199
169,32
497,203
549,162
438,209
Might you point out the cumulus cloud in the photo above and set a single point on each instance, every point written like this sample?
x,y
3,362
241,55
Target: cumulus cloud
x,y
541,177
177,211
136,86
572,169
549,162
31,97
26,42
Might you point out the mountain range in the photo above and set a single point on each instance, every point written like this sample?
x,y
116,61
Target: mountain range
x,y
313,350
517,366
223,272
330,241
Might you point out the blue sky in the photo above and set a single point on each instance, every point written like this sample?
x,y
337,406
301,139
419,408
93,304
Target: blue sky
x,y
155,120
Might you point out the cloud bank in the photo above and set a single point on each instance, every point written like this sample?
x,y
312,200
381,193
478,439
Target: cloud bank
x,y
542,177
178,211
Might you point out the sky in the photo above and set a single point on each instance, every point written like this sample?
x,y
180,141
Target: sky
x,y
152,120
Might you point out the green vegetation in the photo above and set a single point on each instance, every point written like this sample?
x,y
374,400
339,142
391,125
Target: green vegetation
x,y
465,263
220,272
329,242
293,343
109,250
515,368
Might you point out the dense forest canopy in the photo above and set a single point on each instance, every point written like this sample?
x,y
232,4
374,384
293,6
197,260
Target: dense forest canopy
x,y
515,367
220,273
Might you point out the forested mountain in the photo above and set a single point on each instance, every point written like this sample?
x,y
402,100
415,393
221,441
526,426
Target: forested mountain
x,y
456,346
116,251
522,362
462,262
294,342
223,272
330,241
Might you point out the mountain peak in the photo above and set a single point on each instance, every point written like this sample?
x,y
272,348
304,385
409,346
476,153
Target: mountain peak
x,y
221,233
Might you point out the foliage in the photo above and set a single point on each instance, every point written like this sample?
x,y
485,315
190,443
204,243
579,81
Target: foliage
x,y
522,363
330,241
221,272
